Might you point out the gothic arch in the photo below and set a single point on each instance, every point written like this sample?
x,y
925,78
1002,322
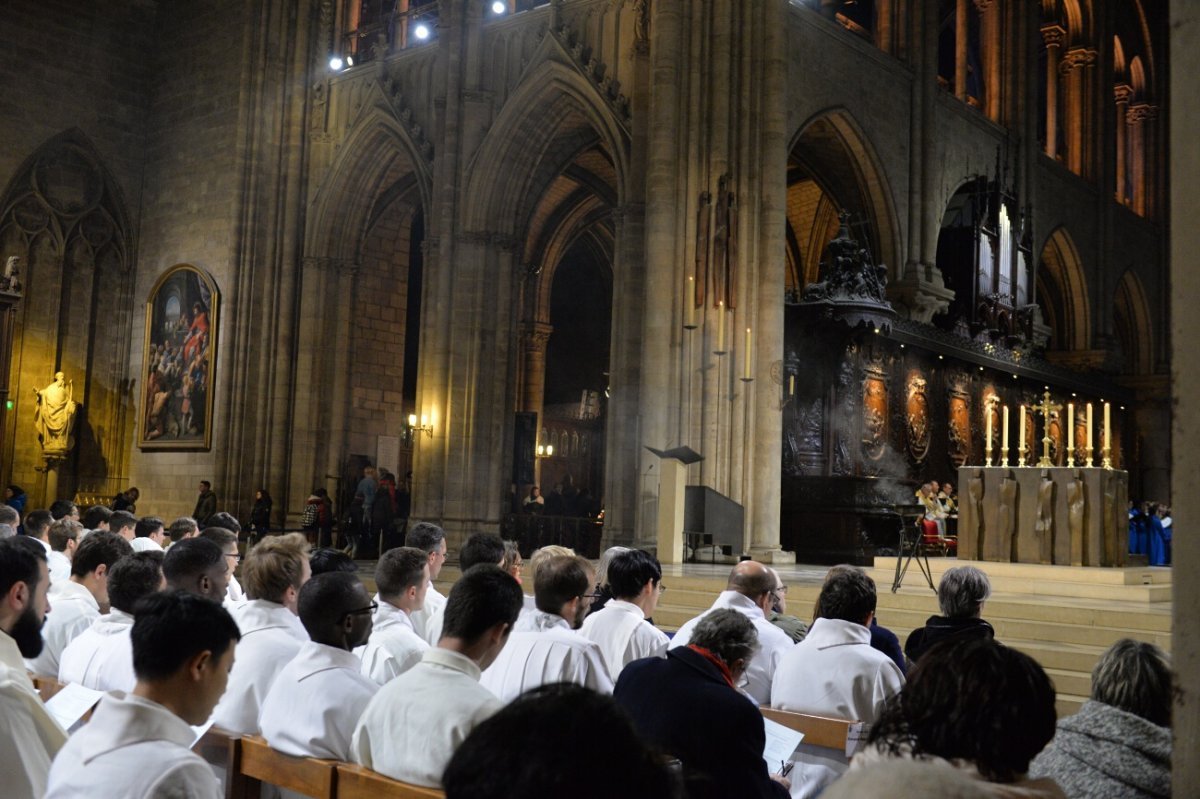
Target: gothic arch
x,y
1062,292
1131,314
831,150
378,148
555,104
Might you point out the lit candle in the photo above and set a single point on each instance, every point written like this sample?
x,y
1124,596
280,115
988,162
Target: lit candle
x,y
1004,429
791,385
1071,429
746,375
990,422
1107,427
689,303
1021,437
1088,445
721,326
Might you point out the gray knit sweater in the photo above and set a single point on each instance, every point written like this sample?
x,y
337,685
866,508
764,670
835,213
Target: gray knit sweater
x,y
1104,753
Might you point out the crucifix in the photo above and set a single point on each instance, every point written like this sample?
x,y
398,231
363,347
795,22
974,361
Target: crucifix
x,y
1045,409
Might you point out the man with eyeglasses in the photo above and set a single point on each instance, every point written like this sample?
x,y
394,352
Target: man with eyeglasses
x,y
227,540
316,701
273,573
620,628
552,651
794,626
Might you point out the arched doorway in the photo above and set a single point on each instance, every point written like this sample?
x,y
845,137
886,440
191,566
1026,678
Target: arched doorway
x,y
1062,296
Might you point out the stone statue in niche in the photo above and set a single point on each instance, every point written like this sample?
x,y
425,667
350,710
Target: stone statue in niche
x,y
54,416
10,280
1007,517
1076,506
1044,525
917,418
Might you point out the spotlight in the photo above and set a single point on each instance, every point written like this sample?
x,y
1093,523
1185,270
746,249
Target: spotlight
x,y
421,31
349,61
499,7
335,64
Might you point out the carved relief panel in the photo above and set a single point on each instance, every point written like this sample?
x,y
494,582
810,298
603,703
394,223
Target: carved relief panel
x,y
874,411
1055,429
917,416
959,417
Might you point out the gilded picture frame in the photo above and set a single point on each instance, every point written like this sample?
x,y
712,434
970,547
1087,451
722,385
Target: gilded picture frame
x,y
179,361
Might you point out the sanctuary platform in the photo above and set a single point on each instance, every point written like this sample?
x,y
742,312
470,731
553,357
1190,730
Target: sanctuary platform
x,y
1062,616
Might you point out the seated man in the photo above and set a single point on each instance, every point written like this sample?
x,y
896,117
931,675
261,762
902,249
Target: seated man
x,y
478,548
430,539
274,572
64,536
412,727
227,540
795,627
329,559
961,594
751,592
314,704
101,657
139,744
29,736
834,671
78,600
523,753
39,531
1119,743
620,629
402,577
552,651
181,528
197,566
149,534
123,524
687,707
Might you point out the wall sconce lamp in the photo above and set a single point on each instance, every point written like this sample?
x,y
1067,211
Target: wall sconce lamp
x,y
424,427
546,451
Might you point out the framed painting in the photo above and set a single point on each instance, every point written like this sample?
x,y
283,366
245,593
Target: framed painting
x,y
179,361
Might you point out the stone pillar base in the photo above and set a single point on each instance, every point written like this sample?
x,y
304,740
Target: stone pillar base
x,y
772,555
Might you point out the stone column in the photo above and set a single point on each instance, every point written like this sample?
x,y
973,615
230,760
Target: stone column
x,y
1053,36
1141,117
961,27
990,45
1121,94
1075,68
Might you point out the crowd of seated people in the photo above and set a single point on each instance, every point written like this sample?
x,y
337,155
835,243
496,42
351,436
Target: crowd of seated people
x,y
1150,530
490,692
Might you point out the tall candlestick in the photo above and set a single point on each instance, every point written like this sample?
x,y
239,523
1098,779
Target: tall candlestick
x,y
1107,426
1070,434
689,304
988,413
791,385
1004,428
721,326
1087,447
1021,436
746,356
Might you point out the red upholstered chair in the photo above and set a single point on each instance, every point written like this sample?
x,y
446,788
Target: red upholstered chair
x,y
932,541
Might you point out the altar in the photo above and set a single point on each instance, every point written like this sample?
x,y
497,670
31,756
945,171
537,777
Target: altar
x,y
1070,516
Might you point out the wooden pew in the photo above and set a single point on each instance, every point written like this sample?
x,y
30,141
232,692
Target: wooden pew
x,y
222,750
818,730
46,686
260,763
356,782
821,757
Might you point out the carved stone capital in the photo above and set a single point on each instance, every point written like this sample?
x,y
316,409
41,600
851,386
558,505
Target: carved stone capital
x,y
535,336
1054,35
325,263
1122,93
983,5
1141,112
1077,57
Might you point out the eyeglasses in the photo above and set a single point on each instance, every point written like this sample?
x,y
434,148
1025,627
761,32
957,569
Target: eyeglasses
x,y
780,589
237,558
374,606
662,589
592,596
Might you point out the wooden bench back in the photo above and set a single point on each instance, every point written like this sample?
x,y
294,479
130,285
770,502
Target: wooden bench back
x,y
818,730
47,687
305,775
356,782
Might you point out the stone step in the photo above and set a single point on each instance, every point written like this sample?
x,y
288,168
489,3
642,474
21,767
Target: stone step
x,y
1040,572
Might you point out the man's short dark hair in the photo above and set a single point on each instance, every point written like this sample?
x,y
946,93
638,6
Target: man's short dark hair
x,y
226,520
206,484
531,749
483,597
10,516
62,533
133,577
328,559
326,599
99,548
95,516
146,526
62,507
481,548
629,571
37,522
848,594
559,580
181,528
220,536
424,536
171,628
186,561
398,569
19,563
121,519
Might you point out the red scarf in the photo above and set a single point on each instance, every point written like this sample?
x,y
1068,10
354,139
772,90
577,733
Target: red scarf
x,y
716,661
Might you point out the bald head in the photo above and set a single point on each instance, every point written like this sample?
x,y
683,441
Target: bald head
x,y
751,579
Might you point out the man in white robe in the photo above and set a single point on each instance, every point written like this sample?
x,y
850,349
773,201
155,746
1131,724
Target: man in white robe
x,y
64,536
553,651
620,628
750,591
101,657
412,727
149,534
430,539
139,744
78,599
227,540
834,671
39,529
402,576
274,572
316,701
29,736
479,548
123,524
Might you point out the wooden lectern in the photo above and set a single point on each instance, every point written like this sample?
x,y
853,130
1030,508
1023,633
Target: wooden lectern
x,y
672,489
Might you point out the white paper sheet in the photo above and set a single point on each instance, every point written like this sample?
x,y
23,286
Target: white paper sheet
x,y
68,705
856,737
781,743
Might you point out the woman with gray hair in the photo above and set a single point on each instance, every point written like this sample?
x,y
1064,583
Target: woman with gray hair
x,y
1119,743
603,590
961,594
